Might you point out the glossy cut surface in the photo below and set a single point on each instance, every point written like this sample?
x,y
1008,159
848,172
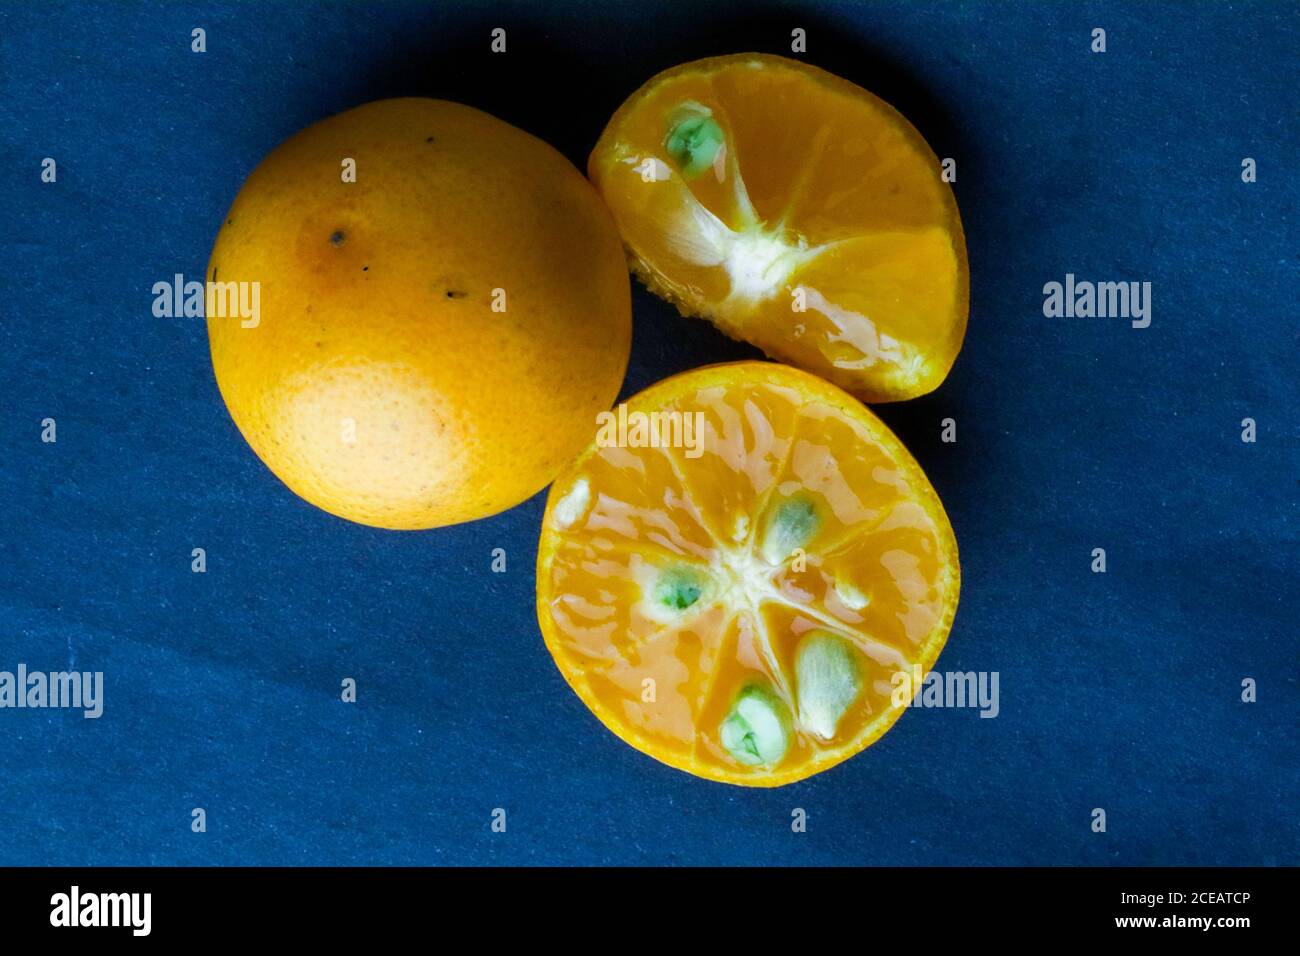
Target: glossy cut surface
x,y
796,211
802,542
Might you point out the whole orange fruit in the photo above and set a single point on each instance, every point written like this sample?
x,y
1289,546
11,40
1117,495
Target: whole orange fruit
x,y
795,211
444,307
748,576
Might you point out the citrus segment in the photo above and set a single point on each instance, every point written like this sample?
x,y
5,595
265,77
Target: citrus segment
x,y
738,606
652,506
797,212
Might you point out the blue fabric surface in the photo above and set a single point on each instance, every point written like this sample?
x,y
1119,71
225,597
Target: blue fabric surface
x,y
1119,690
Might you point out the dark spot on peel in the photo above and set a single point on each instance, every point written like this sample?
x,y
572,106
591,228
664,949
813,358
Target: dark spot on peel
x,y
456,294
429,140
365,268
337,237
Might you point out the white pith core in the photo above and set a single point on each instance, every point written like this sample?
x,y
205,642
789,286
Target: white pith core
x,y
758,263
747,581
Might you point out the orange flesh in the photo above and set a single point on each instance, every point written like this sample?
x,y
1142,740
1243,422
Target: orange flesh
x,y
822,231
879,570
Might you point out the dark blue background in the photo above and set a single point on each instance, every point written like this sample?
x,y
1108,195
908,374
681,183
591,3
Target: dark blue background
x,y
1119,691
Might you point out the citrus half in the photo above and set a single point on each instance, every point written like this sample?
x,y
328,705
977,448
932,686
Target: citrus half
x,y
745,574
796,211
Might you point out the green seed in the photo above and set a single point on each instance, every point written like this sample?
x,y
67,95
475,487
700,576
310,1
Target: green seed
x,y
828,681
694,138
757,731
791,525
679,587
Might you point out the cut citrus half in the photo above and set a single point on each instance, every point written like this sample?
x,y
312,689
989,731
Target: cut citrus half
x,y
745,574
797,212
